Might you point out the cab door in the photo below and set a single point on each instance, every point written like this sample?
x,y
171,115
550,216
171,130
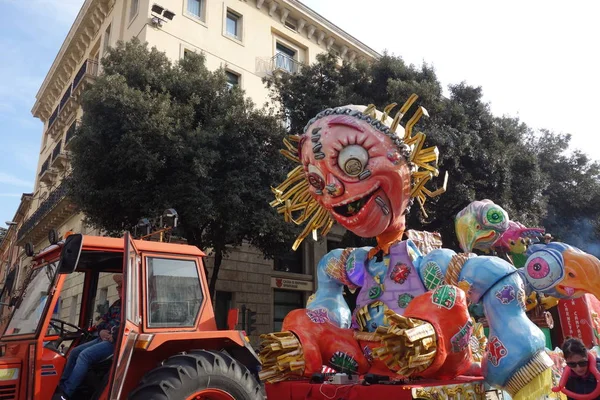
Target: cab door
x,y
130,314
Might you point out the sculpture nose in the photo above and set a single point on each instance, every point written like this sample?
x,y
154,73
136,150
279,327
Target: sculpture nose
x,y
334,186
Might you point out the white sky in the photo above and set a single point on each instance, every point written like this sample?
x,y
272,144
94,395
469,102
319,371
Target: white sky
x,y
537,60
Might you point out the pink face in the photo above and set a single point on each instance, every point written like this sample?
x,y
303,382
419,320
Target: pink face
x,y
357,173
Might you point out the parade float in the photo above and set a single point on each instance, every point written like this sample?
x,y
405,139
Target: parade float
x,y
410,335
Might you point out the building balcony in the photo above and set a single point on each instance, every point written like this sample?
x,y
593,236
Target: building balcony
x,y
70,99
47,173
70,135
281,63
59,157
51,213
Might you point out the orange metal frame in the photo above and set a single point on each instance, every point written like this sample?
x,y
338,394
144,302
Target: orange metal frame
x,y
204,328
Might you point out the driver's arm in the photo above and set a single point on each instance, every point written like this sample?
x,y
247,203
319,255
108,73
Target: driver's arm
x,y
110,321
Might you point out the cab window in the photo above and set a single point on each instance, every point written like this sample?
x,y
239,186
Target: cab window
x,y
174,292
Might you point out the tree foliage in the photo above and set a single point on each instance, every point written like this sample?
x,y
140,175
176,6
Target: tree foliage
x,y
533,175
156,135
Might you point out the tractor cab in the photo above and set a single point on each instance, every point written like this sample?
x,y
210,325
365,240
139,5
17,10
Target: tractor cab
x,y
166,317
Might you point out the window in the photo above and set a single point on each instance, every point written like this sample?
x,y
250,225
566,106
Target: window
x,y
195,8
290,261
186,53
233,25
102,304
223,302
30,307
106,39
284,302
290,23
284,58
233,79
73,309
133,9
174,292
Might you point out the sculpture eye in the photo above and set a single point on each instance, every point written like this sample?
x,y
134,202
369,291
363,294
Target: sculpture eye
x,y
353,159
315,177
494,216
543,269
538,268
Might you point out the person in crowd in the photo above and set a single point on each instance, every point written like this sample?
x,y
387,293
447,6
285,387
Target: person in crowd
x,y
581,381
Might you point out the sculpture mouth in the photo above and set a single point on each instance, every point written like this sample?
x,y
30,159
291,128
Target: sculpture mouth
x,y
353,206
568,290
486,238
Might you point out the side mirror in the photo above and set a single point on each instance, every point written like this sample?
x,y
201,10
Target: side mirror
x,y
69,257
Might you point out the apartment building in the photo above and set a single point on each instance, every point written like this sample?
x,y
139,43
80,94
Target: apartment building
x,y
250,39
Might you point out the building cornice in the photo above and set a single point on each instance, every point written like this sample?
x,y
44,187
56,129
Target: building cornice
x,y
332,27
87,24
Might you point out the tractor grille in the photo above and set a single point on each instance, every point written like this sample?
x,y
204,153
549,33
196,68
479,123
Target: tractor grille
x,y
8,392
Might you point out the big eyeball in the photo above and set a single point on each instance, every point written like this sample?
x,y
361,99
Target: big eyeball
x,y
494,216
543,269
353,159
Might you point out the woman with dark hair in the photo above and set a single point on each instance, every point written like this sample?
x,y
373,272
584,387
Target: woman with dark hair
x,y
581,381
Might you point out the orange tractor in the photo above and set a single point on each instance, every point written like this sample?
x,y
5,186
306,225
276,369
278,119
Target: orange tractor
x,y
168,345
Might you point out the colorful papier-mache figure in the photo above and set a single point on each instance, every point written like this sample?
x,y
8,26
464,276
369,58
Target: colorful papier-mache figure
x,y
361,168
485,226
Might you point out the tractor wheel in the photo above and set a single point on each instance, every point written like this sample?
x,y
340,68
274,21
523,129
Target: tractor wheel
x,y
198,375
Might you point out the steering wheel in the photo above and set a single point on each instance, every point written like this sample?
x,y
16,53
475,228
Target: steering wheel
x,y
65,334
565,377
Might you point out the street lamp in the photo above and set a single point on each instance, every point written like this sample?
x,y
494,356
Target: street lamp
x,y
10,223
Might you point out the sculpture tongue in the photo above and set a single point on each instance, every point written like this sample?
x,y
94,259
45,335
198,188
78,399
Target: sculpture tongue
x,y
569,290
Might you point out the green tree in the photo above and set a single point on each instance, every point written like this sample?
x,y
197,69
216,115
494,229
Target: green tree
x,y
2,234
572,192
157,135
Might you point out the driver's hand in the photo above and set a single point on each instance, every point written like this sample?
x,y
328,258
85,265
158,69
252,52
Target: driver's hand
x,y
105,335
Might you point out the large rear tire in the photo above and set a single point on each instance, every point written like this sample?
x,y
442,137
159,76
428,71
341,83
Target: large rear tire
x,y
198,374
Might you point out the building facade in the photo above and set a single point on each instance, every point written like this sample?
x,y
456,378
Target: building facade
x,y
249,39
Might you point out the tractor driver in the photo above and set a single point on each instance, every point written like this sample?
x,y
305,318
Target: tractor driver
x,y
84,356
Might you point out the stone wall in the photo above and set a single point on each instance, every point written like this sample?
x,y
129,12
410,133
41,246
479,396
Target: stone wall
x,y
247,274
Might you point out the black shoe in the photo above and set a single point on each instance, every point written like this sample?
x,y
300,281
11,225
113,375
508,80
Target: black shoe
x,y
59,395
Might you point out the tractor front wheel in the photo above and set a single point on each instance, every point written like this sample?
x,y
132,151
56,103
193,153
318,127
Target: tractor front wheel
x,y
198,375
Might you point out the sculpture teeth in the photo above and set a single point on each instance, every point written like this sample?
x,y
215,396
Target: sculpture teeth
x,y
381,203
364,175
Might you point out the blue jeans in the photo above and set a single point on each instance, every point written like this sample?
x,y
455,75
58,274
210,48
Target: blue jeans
x,y
81,358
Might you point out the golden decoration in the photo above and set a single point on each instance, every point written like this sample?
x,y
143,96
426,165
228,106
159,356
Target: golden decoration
x,y
455,266
537,369
478,341
292,196
408,345
281,357
463,391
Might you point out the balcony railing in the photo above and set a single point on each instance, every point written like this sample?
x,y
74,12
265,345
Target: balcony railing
x,y
65,97
70,133
282,62
45,166
53,117
88,68
47,205
56,151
